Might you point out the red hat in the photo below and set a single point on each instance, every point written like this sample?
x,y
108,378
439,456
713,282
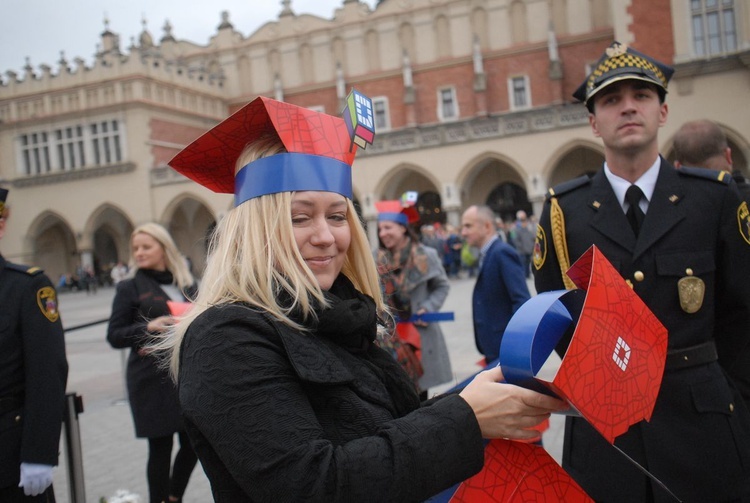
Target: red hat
x,y
396,211
320,152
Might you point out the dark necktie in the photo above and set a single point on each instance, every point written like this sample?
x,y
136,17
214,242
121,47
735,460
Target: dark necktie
x,y
635,214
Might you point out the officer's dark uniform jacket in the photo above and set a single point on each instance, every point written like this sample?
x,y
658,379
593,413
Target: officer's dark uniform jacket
x,y
698,440
33,371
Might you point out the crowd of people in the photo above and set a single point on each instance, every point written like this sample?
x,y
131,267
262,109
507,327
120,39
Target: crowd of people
x,y
460,258
302,369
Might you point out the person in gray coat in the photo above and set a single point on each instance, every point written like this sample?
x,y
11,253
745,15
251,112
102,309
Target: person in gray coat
x,y
414,282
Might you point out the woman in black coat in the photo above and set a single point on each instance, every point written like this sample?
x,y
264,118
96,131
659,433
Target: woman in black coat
x,y
285,393
140,312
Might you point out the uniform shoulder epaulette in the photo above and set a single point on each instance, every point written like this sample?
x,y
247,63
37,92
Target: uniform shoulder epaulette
x,y
568,186
708,174
28,269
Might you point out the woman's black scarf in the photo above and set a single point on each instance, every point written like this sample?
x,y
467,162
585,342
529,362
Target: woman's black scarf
x,y
162,277
351,322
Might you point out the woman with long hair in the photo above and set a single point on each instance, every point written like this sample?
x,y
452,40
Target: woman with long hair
x,y
415,283
284,392
140,314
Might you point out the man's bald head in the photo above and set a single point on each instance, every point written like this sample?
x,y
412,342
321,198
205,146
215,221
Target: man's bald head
x,y
702,144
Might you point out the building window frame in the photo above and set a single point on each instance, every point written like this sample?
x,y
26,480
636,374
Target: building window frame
x,y
381,111
34,153
714,27
70,146
519,92
447,104
105,141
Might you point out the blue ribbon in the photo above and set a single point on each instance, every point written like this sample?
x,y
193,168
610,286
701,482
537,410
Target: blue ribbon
x,y
432,317
388,216
534,331
290,172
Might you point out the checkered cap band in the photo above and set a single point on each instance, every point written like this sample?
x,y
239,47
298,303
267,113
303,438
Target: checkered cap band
x,y
627,60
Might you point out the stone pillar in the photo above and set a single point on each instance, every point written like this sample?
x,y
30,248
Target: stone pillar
x,y
370,217
451,199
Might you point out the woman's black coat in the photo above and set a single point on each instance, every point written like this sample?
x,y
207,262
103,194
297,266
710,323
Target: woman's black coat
x,y
151,392
279,415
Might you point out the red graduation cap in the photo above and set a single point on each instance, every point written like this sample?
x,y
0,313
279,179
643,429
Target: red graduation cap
x,y
399,211
319,152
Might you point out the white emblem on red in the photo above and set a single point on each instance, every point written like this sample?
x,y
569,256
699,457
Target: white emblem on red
x,y
621,356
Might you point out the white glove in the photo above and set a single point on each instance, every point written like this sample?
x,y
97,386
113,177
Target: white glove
x,y
35,478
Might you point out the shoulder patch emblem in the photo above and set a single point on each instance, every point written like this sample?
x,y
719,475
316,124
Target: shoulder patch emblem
x,y
743,219
705,173
46,298
540,248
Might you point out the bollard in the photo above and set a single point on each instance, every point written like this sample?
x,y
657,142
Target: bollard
x,y
74,452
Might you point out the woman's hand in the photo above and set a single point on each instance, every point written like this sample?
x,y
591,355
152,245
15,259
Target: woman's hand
x,y
507,411
160,324
421,323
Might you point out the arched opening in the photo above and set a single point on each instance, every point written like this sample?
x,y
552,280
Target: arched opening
x,y
191,224
499,185
579,161
506,199
53,246
107,236
430,207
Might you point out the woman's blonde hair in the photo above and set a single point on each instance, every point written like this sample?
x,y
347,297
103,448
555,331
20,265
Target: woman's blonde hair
x,y
173,259
253,257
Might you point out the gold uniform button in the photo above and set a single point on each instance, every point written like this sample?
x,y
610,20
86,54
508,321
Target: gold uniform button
x,y
639,276
731,407
18,419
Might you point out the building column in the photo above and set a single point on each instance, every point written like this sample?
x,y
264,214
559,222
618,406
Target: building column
x,y
370,217
451,200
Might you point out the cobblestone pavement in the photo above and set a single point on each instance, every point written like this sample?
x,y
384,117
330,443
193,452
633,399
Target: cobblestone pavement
x,y
114,459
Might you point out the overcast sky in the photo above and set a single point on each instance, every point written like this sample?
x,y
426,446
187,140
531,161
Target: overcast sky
x,y
40,29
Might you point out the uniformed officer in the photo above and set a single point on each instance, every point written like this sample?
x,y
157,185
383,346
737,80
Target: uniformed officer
x,y
682,239
33,374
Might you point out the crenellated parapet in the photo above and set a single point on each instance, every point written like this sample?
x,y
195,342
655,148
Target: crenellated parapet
x,y
173,73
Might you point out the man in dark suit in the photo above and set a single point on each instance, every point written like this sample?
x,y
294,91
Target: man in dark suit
x,y
681,239
33,374
501,283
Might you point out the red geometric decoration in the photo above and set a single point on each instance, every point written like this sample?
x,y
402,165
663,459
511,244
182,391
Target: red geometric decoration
x,y
210,159
613,367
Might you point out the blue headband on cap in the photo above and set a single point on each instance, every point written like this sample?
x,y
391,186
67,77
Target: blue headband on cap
x,y
399,218
290,172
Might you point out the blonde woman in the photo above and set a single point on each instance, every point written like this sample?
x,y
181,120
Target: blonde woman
x,y
284,393
140,313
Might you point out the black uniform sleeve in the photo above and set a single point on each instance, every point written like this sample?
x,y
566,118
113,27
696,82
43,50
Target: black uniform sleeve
x,y
546,268
46,372
732,333
127,328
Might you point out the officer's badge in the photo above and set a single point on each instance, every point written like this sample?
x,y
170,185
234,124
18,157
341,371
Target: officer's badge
x,y
47,301
691,291
540,248
743,219
616,49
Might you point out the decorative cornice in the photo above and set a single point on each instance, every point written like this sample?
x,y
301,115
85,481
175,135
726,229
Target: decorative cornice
x,y
70,176
715,64
479,129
